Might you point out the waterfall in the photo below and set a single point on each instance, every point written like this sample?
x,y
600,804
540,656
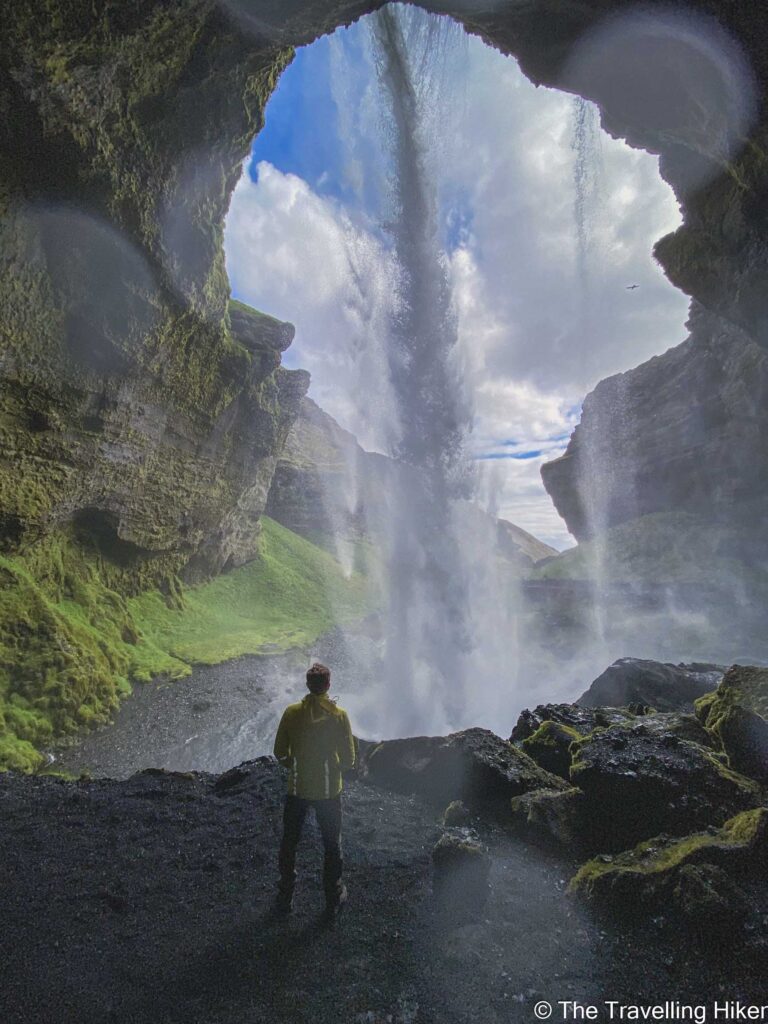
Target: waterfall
x,y
446,625
587,210
428,634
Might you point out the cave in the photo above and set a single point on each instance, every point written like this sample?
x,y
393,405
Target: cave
x,y
98,530
156,528
116,201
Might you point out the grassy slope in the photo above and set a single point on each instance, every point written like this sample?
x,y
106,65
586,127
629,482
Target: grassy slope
x,y
664,547
290,595
69,643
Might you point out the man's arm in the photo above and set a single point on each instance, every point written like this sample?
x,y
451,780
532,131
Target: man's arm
x,y
346,745
282,747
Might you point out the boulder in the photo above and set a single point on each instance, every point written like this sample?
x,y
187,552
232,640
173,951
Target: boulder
x,y
639,783
474,765
460,869
550,747
456,813
553,816
581,719
674,723
735,717
547,733
659,685
697,875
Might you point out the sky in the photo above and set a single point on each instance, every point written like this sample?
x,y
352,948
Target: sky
x,y
540,280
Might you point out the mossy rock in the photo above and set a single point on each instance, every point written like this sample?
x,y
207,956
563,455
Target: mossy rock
x,y
456,813
640,782
460,871
582,720
474,765
736,716
550,747
552,817
698,874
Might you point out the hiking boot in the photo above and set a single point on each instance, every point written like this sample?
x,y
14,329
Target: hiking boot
x,y
335,903
283,904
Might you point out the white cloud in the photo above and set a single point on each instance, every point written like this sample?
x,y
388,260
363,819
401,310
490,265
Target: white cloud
x,y
534,339
299,257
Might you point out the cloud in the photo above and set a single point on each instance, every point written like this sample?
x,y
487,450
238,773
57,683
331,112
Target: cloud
x,y
538,326
300,257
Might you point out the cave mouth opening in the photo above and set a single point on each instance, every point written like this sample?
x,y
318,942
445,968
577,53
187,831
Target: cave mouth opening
x,y
544,224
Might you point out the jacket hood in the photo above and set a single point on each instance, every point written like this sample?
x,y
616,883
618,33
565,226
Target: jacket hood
x,y
320,700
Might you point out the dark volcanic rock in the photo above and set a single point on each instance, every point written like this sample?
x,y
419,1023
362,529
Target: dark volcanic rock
x,y
661,686
557,816
640,783
460,870
735,716
475,766
550,747
695,878
153,905
582,719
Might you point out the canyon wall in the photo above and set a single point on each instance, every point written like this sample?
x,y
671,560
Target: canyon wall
x,y
684,431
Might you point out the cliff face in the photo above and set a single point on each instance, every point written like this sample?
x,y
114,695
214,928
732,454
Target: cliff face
x,y
685,432
135,407
322,478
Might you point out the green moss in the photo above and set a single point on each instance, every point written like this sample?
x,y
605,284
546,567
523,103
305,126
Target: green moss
x,y
660,856
735,716
69,644
551,734
64,658
550,746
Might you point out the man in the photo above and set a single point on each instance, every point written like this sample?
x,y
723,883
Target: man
x,y
314,741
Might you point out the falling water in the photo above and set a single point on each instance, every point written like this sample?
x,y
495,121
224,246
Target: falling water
x,y
428,634
587,182
446,623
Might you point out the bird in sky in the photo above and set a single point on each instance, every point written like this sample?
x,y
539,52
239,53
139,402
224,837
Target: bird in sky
x,y
631,287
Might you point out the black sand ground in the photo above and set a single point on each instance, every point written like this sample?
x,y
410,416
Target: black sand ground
x,y
148,901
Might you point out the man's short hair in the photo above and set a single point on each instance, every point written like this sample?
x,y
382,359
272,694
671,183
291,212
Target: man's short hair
x,y
318,677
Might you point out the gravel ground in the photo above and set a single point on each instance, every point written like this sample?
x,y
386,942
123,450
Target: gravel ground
x,y
148,900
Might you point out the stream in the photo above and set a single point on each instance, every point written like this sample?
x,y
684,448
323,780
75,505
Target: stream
x,y
220,715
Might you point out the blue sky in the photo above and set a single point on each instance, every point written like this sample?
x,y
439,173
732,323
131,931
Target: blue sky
x,y
304,242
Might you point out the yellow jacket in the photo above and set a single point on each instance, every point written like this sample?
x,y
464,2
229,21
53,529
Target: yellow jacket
x,y
314,740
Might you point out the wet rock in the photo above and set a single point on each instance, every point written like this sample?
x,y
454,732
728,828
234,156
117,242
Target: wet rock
x,y
582,719
708,897
456,813
697,874
674,723
654,684
638,783
553,816
735,717
550,747
475,766
460,869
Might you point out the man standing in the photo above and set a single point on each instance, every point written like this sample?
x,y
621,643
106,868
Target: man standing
x,y
314,741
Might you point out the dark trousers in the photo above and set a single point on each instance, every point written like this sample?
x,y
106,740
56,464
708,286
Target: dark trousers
x,y
328,813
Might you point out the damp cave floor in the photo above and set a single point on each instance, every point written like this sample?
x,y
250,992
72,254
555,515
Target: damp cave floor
x,y
148,900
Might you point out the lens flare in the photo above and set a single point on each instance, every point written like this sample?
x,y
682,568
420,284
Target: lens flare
x,y
678,78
